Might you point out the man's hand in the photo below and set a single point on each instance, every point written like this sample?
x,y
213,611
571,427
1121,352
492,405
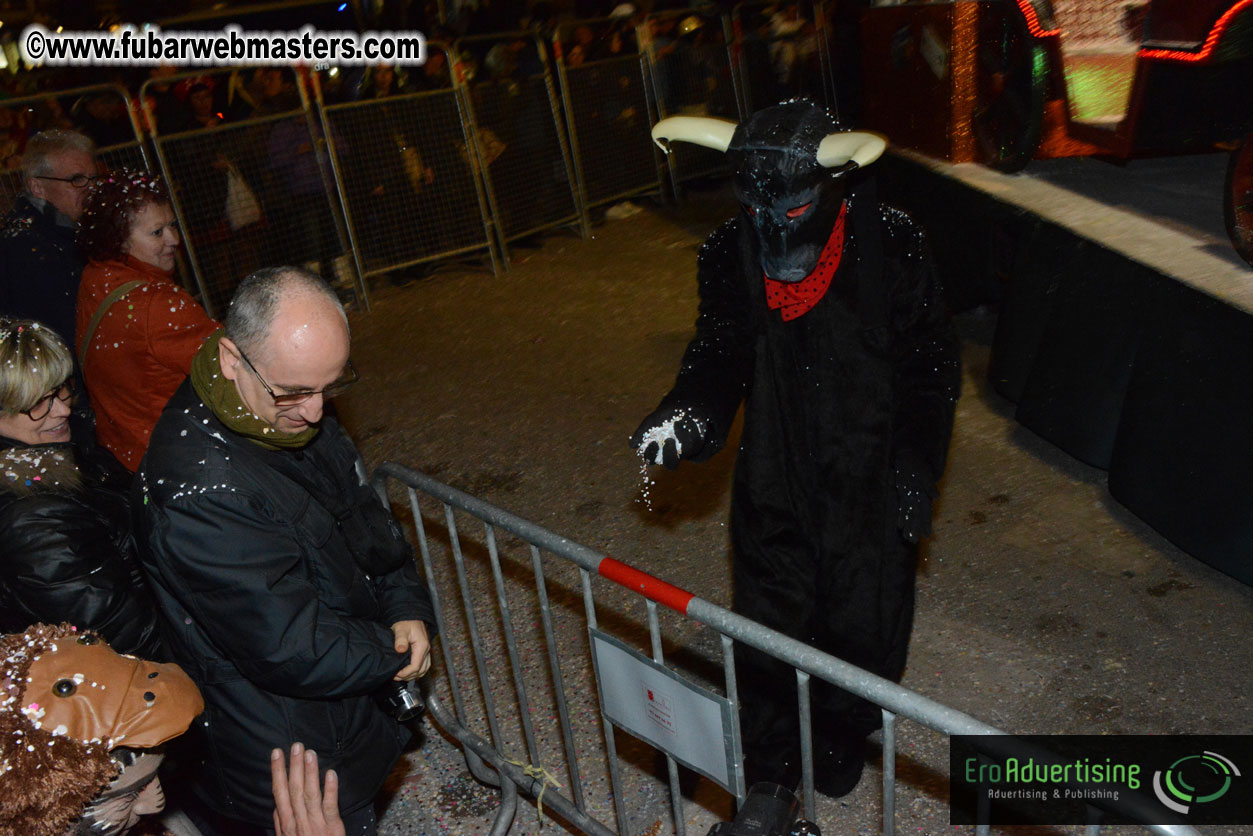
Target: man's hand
x,y
411,638
301,807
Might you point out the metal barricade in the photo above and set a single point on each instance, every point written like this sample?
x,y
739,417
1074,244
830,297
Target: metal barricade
x,y
104,112
252,189
605,94
521,145
780,52
689,66
532,717
404,167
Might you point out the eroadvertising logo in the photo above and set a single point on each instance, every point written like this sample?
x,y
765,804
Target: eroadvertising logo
x,y
1127,779
1194,779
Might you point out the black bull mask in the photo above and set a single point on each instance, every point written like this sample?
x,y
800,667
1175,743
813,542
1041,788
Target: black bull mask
x,y
790,164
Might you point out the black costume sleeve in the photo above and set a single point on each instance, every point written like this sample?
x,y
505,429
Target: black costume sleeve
x,y
719,359
62,564
928,368
262,612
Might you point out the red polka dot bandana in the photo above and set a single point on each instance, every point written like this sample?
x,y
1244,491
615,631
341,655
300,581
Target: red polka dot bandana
x,y
795,298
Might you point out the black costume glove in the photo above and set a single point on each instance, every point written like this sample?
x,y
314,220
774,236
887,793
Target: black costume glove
x,y
672,433
915,490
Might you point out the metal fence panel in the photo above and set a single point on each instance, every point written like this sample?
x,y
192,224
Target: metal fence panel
x,y
519,137
689,65
409,185
518,673
130,155
604,90
253,191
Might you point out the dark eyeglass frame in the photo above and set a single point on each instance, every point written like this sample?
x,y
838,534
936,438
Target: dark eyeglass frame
x,y
295,398
64,393
78,181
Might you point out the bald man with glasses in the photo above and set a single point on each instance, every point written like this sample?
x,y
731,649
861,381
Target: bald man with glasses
x,y
291,596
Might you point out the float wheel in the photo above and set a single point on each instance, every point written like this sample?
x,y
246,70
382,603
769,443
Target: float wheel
x,y
1238,199
1012,77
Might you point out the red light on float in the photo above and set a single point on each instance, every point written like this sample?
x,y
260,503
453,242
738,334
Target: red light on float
x,y
1033,21
1207,49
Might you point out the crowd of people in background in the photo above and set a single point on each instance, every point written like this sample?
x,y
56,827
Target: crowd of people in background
x,y
597,29
250,171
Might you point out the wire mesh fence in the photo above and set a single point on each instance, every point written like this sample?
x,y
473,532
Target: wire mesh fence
x,y
520,141
689,64
253,188
781,53
404,165
603,89
130,155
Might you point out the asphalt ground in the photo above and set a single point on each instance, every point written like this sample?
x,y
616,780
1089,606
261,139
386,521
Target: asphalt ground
x,y
1043,605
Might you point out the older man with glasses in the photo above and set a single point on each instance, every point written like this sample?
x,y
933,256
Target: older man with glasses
x,y
42,265
291,596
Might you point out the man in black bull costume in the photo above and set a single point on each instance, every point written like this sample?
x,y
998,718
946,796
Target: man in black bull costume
x,y
821,310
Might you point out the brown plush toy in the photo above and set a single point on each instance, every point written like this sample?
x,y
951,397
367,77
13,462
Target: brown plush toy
x,y
66,700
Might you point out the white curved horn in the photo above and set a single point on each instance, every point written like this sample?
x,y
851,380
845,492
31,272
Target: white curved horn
x,y
701,130
860,147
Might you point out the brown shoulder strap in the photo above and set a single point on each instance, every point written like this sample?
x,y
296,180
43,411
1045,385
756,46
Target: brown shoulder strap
x,y
116,294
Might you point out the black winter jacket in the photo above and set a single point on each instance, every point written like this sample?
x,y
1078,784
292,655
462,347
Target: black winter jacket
x,y
40,268
66,551
250,554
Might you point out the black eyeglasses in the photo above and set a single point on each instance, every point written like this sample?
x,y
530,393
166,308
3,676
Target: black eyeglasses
x,y
340,386
43,406
78,181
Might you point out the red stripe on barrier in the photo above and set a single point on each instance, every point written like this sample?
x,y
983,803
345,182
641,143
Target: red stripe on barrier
x,y
645,584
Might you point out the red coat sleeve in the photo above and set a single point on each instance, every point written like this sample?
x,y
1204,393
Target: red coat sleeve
x,y
177,327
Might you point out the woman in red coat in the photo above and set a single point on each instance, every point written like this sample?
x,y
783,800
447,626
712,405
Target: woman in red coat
x,y
144,339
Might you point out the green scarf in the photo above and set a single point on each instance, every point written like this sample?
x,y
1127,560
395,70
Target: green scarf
x,y
222,398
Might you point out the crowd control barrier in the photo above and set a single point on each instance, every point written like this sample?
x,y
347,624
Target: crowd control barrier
x,y
689,66
781,52
404,165
104,112
604,92
541,639
255,190
515,121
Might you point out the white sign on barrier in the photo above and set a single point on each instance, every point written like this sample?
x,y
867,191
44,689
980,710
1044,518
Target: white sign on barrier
x,y
652,702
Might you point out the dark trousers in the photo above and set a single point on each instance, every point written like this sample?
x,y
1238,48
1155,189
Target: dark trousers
x,y
855,603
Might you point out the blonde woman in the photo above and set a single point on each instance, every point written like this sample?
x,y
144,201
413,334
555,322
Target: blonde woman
x,y
66,552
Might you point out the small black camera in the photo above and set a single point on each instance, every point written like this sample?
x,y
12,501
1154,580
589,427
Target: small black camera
x,y
400,701
768,810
